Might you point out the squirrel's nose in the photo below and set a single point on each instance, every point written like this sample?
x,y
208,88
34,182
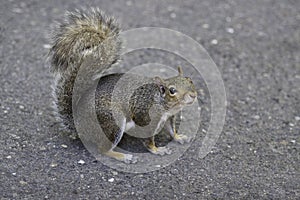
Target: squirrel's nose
x,y
193,95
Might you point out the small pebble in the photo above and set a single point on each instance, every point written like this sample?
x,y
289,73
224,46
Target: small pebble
x,y
47,46
81,162
293,141
256,117
111,180
291,124
64,146
53,165
14,173
22,182
230,30
206,26
214,41
21,107
157,165
114,173
8,157
173,15
297,118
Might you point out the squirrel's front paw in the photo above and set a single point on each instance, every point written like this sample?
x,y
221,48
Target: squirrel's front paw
x,y
160,150
182,138
129,158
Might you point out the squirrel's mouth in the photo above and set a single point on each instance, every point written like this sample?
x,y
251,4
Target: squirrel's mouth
x,y
189,98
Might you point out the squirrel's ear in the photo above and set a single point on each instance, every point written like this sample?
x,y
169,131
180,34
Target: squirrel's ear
x,y
161,83
180,71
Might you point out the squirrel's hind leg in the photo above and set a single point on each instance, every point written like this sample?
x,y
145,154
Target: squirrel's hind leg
x,y
150,145
113,127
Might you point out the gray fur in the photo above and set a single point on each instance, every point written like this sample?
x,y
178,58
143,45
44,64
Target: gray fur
x,y
82,33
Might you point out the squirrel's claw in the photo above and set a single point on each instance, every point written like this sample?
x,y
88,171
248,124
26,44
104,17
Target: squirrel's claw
x,y
129,158
160,150
182,138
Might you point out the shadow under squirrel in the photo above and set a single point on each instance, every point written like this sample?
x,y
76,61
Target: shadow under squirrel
x,y
86,33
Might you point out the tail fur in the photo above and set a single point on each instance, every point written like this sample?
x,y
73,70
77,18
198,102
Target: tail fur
x,y
80,35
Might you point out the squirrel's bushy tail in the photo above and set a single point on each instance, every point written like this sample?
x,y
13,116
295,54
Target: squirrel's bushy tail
x,y
81,34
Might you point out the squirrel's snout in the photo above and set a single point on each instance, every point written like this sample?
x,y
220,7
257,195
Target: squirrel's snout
x,y
190,97
193,95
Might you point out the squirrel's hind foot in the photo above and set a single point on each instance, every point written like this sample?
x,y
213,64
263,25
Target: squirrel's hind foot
x,y
182,138
160,150
127,158
150,145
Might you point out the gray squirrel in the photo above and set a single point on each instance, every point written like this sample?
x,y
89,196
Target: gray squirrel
x,y
92,33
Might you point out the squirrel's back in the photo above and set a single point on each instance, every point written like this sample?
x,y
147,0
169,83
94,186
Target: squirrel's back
x,y
81,35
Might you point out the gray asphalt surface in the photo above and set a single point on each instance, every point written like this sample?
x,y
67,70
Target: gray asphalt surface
x,y
255,44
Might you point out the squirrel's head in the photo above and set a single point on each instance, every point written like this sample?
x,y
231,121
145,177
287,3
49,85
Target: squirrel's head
x,y
178,91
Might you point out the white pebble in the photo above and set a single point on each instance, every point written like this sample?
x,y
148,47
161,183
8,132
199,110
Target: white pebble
x,y
297,118
114,173
206,26
81,162
8,157
47,46
111,180
293,141
173,15
291,124
256,117
21,107
23,182
53,165
64,146
230,30
214,41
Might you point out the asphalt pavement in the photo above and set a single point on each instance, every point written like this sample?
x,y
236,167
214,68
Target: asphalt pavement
x,y
255,45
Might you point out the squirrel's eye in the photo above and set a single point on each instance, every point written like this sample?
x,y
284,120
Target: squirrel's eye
x,y
172,90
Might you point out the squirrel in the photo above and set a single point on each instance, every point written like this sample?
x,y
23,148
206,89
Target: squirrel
x,y
86,33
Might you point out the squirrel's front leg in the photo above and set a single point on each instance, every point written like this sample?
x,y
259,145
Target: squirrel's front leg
x,y
171,127
150,145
